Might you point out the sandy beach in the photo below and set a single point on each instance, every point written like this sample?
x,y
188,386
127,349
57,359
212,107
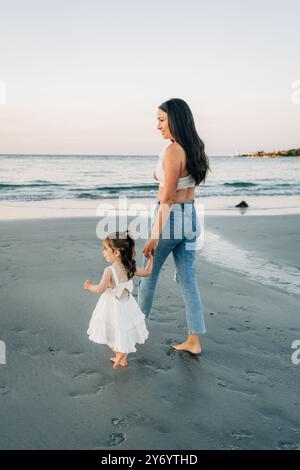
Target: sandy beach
x,y
58,390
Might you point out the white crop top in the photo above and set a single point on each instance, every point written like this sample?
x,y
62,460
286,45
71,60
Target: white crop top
x,y
183,182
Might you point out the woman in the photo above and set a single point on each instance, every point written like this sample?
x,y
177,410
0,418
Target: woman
x,y
183,166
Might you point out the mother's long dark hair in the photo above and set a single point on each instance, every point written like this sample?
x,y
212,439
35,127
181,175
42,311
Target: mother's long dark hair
x,y
182,127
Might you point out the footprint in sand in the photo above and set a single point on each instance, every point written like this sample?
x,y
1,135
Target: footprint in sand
x,y
131,420
18,329
189,359
288,445
243,308
86,373
115,439
3,390
170,352
181,326
166,320
156,366
242,434
239,330
135,419
231,388
53,351
270,413
33,354
166,346
89,382
254,376
116,422
93,390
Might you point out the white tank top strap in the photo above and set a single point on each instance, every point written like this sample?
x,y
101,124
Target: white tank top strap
x,y
115,275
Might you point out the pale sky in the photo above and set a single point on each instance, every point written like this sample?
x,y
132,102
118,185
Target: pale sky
x,y
86,77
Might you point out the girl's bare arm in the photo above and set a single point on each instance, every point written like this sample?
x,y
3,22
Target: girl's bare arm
x,y
145,272
103,284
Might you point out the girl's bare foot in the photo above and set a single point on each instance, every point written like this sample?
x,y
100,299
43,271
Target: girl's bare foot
x,y
192,345
122,363
120,360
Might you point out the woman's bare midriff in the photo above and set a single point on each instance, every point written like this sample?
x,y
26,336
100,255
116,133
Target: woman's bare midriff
x,y
182,195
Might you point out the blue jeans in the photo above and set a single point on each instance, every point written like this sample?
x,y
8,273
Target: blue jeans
x,y
178,237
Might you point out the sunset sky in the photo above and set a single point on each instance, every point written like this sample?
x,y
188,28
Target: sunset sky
x,y
86,77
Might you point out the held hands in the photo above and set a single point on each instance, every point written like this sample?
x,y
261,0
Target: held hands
x,y
86,284
150,247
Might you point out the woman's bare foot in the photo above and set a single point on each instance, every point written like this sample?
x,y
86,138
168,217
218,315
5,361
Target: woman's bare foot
x,y
192,345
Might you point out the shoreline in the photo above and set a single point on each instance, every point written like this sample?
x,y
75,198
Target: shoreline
x,y
241,246
217,206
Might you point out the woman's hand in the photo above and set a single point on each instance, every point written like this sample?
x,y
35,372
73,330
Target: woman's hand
x,y
86,284
150,247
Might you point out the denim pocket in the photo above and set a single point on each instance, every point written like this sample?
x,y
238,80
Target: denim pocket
x,y
191,222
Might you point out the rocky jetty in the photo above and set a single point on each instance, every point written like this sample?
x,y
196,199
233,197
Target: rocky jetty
x,y
279,153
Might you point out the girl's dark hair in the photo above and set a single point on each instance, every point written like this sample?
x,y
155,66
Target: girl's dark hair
x,y
182,127
124,242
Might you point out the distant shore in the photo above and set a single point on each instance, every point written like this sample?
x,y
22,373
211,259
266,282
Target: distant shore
x,y
279,153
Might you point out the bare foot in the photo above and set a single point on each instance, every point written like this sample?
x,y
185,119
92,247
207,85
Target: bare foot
x,y
185,346
120,358
122,363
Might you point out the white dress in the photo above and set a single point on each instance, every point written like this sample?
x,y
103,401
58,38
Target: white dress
x,y
118,323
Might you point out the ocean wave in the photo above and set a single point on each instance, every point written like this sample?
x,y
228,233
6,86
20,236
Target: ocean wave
x,y
119,187
45,190
35,184
241,184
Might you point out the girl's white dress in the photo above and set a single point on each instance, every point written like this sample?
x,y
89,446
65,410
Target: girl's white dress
x,y
116,322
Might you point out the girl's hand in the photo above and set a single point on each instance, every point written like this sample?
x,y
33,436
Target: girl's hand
x,y
87,284
150,247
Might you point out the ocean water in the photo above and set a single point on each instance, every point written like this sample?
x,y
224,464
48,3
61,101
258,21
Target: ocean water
x,y
67,186
248,263
53,177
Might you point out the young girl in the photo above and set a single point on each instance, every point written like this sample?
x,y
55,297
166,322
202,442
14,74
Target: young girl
x,y
117,319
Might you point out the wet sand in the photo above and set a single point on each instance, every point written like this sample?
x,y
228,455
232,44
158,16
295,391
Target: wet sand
x,y
58,390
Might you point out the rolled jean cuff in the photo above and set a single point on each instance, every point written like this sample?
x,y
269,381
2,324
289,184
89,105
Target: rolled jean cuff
x,y
197,332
